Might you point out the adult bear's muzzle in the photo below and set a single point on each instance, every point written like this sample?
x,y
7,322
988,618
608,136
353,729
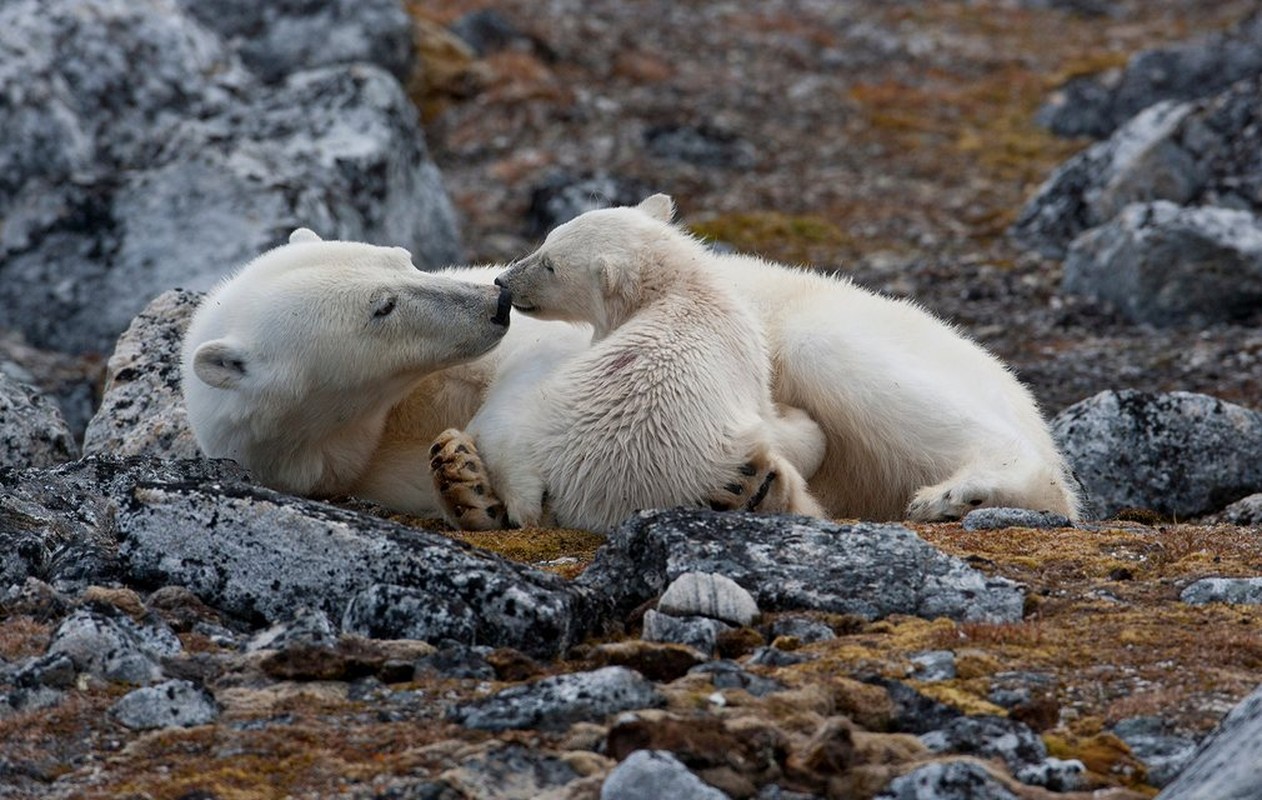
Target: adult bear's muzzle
x,y
503,307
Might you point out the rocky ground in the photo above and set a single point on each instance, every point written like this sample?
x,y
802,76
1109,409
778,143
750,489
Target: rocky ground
x,y
898,143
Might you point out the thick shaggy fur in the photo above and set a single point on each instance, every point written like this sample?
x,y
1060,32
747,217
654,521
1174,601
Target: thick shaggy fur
x,y
918,419
669,402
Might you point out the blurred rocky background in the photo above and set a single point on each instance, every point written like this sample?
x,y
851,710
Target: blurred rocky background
x,y
1075,183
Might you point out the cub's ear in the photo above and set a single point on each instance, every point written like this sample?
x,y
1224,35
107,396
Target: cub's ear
x,y
304,235
659,206
220,363
615,279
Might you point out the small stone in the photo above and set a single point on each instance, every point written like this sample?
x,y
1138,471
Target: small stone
x,y
166,705
952,780
775,657
730,675
114,648
1058,775
804,629
655,775
706,594
989,736
700,633
556,702
934,665
1163,754
307,626
1243,591
989,519
458,661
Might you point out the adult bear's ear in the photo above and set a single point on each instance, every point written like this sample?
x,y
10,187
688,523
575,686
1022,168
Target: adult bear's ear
x,y
304,235
659,206
220,363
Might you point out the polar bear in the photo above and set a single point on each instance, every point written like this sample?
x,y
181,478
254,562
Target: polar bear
x,y
293,364
919,421
671,400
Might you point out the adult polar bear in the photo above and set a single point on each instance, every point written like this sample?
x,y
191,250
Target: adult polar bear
x,y
288,371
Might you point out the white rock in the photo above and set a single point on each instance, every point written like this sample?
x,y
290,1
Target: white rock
x,y
705,594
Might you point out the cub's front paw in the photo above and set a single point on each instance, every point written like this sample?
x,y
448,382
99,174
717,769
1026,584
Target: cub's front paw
x,y
767,484
469,502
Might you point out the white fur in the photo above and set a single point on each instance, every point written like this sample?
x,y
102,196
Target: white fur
x,y
913,412
669,402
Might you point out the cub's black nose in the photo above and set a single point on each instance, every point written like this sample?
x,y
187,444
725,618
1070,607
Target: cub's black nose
x,y
502,308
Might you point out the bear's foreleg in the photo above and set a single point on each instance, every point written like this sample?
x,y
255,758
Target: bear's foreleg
x,y
767,483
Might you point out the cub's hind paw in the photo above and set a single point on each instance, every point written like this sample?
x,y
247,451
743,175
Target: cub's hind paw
x,y
748,489
469,502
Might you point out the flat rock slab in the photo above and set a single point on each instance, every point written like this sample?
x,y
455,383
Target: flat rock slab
x,y
555,703
795,563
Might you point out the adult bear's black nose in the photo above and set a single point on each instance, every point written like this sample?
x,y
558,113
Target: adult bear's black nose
x,y
504,305
499,282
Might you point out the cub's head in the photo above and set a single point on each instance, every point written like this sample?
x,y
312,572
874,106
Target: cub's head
x,y
591,263
323,332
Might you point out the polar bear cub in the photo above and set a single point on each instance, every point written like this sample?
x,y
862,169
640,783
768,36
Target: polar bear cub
x,y
672,399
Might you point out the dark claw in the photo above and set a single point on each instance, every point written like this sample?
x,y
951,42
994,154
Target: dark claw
x,y
435,463
761,494
749,469
479,489
461,449
734,488
433,451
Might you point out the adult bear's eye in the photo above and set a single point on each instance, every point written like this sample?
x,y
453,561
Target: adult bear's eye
x,y
384,306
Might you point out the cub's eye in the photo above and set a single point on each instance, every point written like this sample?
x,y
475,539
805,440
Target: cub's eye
x,y
384,306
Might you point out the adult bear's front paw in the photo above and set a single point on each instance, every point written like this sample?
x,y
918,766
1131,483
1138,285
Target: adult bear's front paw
x,y
468,500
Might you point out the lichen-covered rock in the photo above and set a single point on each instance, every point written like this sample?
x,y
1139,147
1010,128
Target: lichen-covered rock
x,y
114,647
1164,755
1096,105
1246,511
793,563
556,702
1202,153
386,611
654,775
1177,453
40,538
140,156
561,197
142,411
989,736
1229,764
952,780
170,704
1247,591
33,432
701,633
989,519
1165,265
704,594
276,38
259,554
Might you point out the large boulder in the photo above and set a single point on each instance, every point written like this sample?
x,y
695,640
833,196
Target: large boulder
x,y
1229,763
141,153
276,38
1203,153
1095,105
1179,453
1161,264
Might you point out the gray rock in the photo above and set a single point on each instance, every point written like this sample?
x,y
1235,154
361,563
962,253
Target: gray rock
x,y
804,629
654,775
458,661
114,648
1228,765
140,153
934,665
705,594
699,145
58,524
952,780
1247,511
989,737
1245,591
508,771
1178,453
306,626
775,657
1014,688
561,197
387,611
556,702
1204,153
701,633
142,411
1096,105
166,705
32,431
793,563
727,674
52,670
990,519
1164,755
1164,265
258,554
275,39
1056,774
